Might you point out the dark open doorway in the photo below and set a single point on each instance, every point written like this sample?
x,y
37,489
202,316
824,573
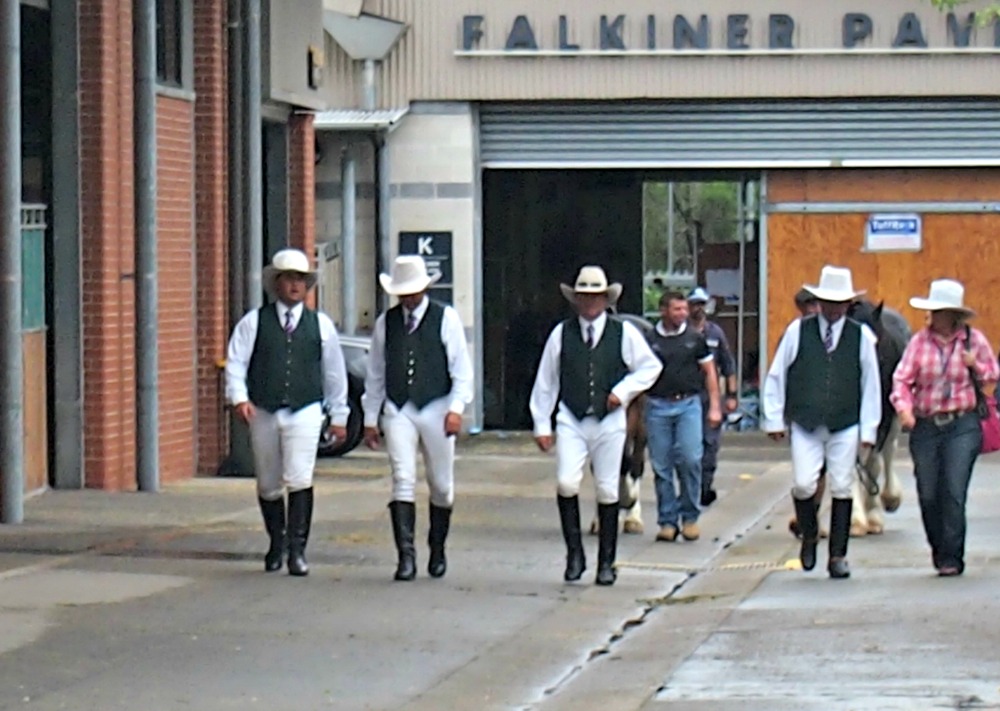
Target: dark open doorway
x,y
650,230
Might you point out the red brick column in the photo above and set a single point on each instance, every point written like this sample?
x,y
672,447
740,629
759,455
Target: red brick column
x,y
302,186
108,242
210,227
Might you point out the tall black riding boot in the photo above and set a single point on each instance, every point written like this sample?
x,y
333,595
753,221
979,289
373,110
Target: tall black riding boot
x,y
300,511
274,522
840,531
404,518
607,515
805,514
440,523
569,517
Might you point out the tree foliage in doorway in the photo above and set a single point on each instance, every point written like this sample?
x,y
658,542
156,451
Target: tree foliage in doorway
x,y
984,17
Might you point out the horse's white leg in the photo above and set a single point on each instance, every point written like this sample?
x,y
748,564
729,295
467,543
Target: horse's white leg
x,y
859,512
633,517
892,490
873,504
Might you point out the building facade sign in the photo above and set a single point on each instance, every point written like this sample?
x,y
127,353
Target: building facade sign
x,y
893,233
729,34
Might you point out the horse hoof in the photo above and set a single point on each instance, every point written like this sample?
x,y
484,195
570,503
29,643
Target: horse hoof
x,y
823,533
594,528
876,529
858,530
793,527
891,503
632,527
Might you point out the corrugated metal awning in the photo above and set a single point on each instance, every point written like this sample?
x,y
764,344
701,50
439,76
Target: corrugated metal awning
x,y
358,120
760,134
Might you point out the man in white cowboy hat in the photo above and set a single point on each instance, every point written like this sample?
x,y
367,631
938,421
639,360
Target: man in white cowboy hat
x,y
419,381
284,366
592,366
725,366
824,384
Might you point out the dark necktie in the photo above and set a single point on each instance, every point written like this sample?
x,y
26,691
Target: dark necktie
x,y
411,323
289,327
590,336
828,338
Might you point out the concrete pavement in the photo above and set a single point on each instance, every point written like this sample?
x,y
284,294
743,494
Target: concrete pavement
x,y
112,601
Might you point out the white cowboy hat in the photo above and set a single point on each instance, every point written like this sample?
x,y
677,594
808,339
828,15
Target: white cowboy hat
x,y
287,260
835,284
409,276
591,280
945,295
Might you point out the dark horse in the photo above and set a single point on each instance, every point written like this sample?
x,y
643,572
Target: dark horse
x,y
877,485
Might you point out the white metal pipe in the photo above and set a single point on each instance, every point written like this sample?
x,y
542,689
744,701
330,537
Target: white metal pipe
x,y
370,98
348,243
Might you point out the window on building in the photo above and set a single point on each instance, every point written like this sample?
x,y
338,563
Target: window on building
x,y
170,42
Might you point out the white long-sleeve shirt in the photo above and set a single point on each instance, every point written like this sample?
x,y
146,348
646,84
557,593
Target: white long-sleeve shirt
x,y
456,349
643,365
240,350
773,400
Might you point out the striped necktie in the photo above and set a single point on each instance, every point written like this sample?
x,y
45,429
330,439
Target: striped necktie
x,y
411,323
289,326
590,336
828,338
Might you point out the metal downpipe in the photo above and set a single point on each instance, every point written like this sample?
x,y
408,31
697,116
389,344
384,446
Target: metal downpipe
x,y
253,247
11,362
235,162
348,241
146,300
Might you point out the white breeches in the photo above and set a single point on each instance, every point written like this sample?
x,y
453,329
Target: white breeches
x,y
284,449
409,430
601,440
810,449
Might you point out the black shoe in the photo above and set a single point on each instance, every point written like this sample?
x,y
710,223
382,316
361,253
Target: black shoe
x,y
300,508
840,531
708,497
805,514
274,522
607,514
440,523
569,518
404,516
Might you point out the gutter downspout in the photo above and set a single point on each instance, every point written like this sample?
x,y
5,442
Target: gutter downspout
x,y
235,162
349,242
146,301
11,361
253,247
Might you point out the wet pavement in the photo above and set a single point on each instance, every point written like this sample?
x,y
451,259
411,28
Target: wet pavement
x,y
115,601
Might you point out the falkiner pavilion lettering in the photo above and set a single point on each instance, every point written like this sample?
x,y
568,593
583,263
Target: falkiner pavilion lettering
x,y
856,27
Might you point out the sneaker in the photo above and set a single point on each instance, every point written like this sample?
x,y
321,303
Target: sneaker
x,y
948,571
667,533
690,531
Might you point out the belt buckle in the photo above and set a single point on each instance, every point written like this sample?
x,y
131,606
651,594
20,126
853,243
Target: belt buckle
x,y
942,419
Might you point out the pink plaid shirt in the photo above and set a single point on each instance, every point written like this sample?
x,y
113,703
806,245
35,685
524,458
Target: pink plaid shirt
x,y
932,377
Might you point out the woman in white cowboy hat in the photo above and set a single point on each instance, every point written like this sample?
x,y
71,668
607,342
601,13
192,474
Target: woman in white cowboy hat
x,y
824,386
284,364
419,381
592,367
935,395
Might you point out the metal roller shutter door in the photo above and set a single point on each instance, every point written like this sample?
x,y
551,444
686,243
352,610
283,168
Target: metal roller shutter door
x,y
792,134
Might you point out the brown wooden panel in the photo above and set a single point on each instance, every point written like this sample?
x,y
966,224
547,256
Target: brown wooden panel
x,y
888,185
963,247
35,413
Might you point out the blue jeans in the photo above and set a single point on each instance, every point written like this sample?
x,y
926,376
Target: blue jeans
x,y
674,429
711,441
943,457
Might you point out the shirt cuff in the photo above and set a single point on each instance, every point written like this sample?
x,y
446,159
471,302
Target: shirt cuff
x,y
543,429
457,406
869,435
773,426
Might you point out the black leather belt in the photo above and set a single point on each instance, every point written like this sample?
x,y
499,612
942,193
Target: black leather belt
x,y
676,396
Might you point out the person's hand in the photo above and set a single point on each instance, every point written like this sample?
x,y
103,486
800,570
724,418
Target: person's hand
x,y
544,442
246,411
372,439
732,403
338,432
969,358
613,402
865,451
452,424
906,420
776,436
714,417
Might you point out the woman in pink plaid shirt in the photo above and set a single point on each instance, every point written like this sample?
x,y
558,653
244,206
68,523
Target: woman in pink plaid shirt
x,y
933,392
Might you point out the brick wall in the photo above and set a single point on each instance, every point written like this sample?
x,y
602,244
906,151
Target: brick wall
x,y
176,276
302,186
211,241
108,237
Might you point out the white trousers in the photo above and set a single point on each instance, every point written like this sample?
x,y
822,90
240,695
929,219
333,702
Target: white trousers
x,y
408,430
811,449
601,440
284,449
